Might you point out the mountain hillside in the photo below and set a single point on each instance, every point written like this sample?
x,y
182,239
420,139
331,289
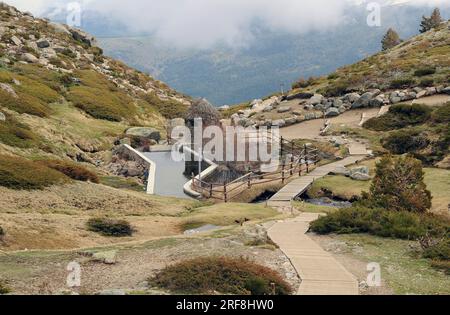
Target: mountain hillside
x,y
61,97
422,60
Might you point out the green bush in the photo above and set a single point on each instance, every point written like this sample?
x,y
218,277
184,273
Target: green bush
x,y
336,89
110,227
72,170
19,173
442,114
399,185
400,116
424,71
439,251
405,141
402,83
428,82
380,222
220,274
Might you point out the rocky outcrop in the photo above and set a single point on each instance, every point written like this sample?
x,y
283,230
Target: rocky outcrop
x,y
144,132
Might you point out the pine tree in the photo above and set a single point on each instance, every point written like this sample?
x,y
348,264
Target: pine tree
x,y
399,185
428,23
390,40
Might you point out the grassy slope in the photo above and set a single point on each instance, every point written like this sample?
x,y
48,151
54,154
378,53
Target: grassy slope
x,y
430,49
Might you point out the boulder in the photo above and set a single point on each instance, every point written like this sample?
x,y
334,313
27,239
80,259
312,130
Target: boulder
x,y
361,169
83,37
332,112
376,102
351,98
291,121
8,89
341,170
256,102
417,90
144,132
395,98
310,116
30,58
297,112
43,43
337,103
446,90
268,109
284,109
360,176
16,41
2,117
431,91
364,100
279,123
316,99
108,258
421,94
308,107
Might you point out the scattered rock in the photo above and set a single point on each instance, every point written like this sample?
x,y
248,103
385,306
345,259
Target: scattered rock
x,y
364,100
351,97
376,102
316,99
108,258
2,117
446,90
279,123
43,43
30,58
284,109
421,94
332,112
361,169
360,176
341,170
83,37
16,41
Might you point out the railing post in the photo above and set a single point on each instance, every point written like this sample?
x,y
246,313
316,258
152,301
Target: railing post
x,y
249,183
282,173
292,165
225,193
210,191
192,181
306,159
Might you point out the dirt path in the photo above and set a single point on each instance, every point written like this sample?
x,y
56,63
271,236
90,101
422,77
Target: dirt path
x,y
320,273
311,129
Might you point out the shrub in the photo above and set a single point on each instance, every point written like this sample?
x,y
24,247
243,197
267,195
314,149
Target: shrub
x,y
402,83
439,251
110,227
442,114
400,116
72,170
15,134
336,89
221,274
303,83
424,71
4,288
428,82
399,185
380,222
169,109
24,103
19,173
102,104
405,141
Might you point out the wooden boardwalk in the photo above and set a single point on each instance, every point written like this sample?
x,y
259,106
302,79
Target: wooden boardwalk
x,y
301,184
319,272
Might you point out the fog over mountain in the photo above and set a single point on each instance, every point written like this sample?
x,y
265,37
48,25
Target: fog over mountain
x,y
232,51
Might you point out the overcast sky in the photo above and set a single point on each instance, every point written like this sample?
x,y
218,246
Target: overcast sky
x,y
207,22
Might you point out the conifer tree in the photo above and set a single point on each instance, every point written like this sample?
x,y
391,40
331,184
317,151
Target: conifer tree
x,y
391,39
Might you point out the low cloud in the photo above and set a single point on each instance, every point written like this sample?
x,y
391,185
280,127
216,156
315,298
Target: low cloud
x,y
203,23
